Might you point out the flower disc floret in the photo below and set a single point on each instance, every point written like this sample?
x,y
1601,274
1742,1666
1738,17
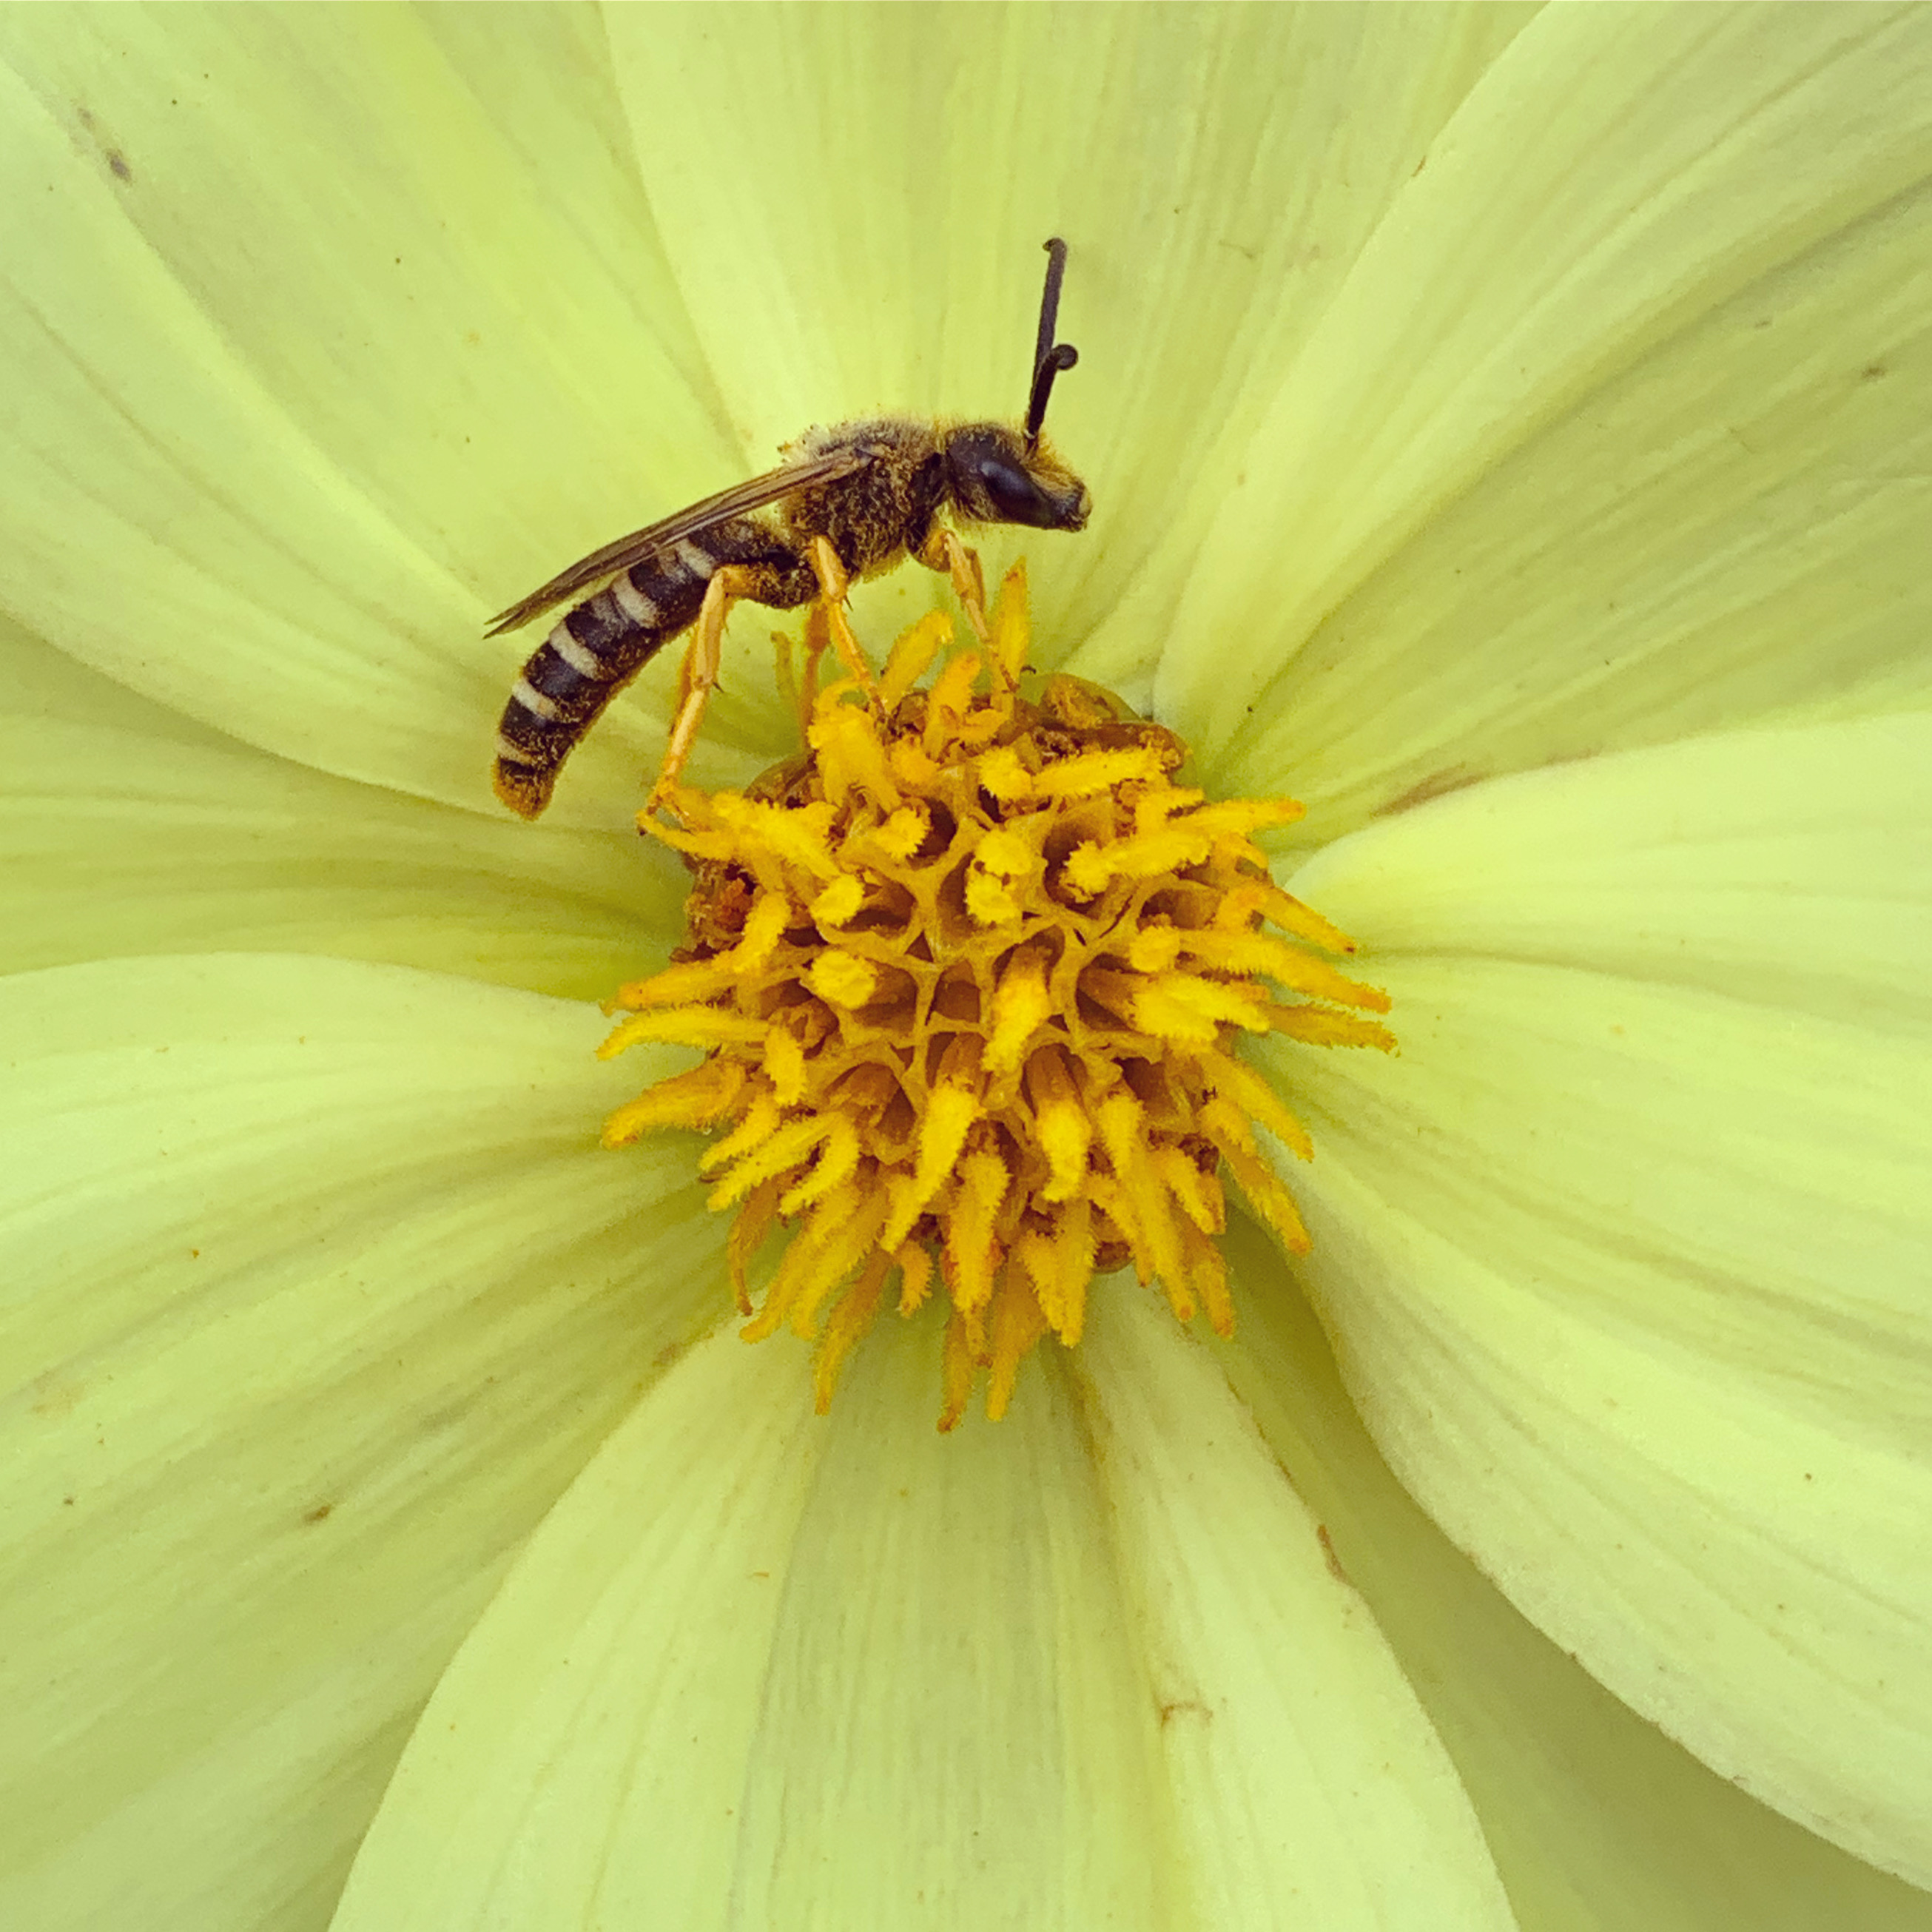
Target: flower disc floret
x,y
969,975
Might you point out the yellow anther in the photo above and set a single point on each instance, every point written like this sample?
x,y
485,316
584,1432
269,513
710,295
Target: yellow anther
x,y
684,1026
751,829
990,900
1122,1124
756,1123
1003,773
1198,1194
1184,1007
1009,629
912,655
946,703
851,1317
693,1099
1022,1005
1287,965
837,1161
1073,1265
1006,854
773,1157
950,1112
850,755
842,978
1014,1323
1256,1098
1065,1132
969,1230
1153,949
904,831
838,904
763,928
912,766
784,1067
915,1267
1096,772
1320,1026
748,1233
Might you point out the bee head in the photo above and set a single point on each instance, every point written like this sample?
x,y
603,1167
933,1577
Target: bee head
x,y
996,475
999,476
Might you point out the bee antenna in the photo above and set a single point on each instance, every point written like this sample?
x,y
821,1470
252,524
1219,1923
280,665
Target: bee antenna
x,y
1049,357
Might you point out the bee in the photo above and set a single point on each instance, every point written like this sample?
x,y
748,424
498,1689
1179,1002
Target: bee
x,y
875,492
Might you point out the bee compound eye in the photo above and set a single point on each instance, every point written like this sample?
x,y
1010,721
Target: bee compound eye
x,y
1011,490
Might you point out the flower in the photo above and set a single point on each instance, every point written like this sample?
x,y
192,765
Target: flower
x,y
969,974
1511,428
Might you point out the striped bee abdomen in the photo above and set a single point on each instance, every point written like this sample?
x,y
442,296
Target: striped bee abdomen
x,y
603,642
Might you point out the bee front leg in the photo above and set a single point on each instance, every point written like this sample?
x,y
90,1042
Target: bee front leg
x,y
833,583
698,676
944,551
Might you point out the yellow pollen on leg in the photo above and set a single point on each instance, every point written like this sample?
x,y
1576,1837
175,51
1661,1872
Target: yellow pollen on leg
x,y
970,976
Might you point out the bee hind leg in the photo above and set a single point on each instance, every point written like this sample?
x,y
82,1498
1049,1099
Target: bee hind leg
x,y
944,551
833,583
697,676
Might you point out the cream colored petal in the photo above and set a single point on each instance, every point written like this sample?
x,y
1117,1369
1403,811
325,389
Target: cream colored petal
x,y
127,828
1303,1767
1626,1254
762,1670
1787,868
319,1292
1595,1818
856,197
959,1728
1617,430
328,333
582,1759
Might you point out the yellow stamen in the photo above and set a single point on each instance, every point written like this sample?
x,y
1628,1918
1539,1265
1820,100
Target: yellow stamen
x,y
1023,1004
912,657
684,1026
692,1099
838,904
915,1276
970,980
842,978
845,1327
1011,634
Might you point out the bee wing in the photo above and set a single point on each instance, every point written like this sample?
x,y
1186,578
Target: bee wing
x,y
753,494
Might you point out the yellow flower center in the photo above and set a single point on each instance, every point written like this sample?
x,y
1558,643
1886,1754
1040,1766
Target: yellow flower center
x,y
969,975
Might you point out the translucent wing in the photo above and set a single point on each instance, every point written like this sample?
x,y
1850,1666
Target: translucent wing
x,y
737,501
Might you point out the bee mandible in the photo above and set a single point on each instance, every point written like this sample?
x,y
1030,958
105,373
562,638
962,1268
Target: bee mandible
x,y
874,492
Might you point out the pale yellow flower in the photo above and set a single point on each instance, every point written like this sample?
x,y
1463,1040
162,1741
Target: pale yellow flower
x,y
1528,408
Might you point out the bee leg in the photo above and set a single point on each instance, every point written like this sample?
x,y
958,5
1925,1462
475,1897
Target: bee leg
x,y
832,584
817,642
698,676
944,551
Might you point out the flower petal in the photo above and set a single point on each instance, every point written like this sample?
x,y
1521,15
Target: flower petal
x,y
1586,1807
584,1753
1626,1254
856,198
761,1670
313,1307
1656,308
957,1730
315,325
1303,1767
1786,868
130,829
